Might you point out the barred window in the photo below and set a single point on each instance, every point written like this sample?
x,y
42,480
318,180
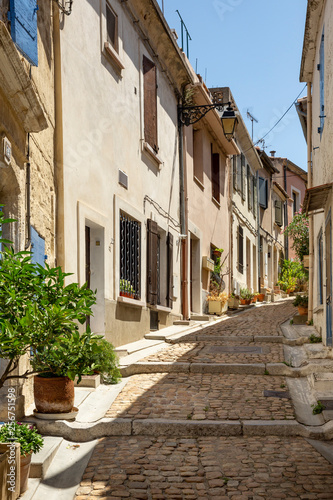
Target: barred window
x,y
130,257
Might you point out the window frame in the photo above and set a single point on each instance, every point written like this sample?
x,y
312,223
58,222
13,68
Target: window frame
x,y
215,175
262,204
113,52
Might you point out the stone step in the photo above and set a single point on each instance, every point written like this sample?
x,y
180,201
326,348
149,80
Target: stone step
x,y
41,461
199,317
184,322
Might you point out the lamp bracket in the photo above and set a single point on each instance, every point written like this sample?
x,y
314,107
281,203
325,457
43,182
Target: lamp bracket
x,y
188,115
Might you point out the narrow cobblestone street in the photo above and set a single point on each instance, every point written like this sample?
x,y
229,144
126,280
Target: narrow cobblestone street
x,y
201,462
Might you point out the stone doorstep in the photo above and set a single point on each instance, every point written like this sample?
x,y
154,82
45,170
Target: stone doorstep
x,y
89,381
41,461
33,484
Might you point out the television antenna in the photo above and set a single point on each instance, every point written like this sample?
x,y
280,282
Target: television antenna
x,y
253,119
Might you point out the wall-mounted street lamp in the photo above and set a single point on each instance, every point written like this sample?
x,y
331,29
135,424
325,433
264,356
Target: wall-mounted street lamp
x,y
188,115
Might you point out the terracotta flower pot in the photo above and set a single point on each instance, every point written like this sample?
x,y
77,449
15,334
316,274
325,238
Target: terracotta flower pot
x,y
245,302
261,297
302,311
53,394
24,472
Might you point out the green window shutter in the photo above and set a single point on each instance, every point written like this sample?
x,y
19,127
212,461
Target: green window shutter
x,y
249,189
239,173
243,176
234,171
255,198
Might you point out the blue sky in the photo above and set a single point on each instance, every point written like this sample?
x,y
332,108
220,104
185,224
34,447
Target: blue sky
x,y
255,48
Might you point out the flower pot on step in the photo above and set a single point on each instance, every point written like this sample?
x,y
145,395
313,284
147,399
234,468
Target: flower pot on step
x,y
302,311
25,463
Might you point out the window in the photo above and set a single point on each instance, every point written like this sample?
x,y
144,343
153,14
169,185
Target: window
x,y
198,155
249,189
23,19
150,103
243,177
112,26
234,172
216,176
320,268
240,249
37,248
255,197
130,256
279,212
159,265
239,173
296,204
322,83
263,192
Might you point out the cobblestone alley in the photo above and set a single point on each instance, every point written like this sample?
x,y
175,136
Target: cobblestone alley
x,y
212,418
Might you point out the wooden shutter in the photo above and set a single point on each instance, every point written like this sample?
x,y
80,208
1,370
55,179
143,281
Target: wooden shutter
x,y
240,249
249,188
262,192
234,171
279,212
255,198
169,269
322,85
23,27
243,176
150,102
152,274
216,176
239,173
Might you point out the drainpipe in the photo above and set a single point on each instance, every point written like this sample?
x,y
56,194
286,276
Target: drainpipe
x,y
28,199
58,141
311,235
258,229
183,225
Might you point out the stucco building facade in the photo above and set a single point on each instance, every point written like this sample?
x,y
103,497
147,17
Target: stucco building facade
x,y
317,72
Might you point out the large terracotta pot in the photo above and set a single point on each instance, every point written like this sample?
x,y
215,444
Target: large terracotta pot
x,y
261,297
302,311
53,394
24,472
245,302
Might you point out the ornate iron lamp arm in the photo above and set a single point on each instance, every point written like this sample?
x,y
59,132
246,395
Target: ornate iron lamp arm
x,y
188,115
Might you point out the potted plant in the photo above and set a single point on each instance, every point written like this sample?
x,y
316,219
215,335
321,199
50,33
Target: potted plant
x,y
245,296
30,442
301,302
217,302
106,362
261,297
218,252
233,302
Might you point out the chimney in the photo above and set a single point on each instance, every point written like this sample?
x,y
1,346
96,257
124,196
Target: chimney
x,y
273,154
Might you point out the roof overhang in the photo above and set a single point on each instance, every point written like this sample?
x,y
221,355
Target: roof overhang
x,y
280,191
18,87
213,118
313,15
316,198
302,110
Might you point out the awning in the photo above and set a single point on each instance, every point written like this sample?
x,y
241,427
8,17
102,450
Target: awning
x,y
316,198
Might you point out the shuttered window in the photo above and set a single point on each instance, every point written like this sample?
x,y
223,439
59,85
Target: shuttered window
x,y
169,270
198,161
216,176
112,26
240,250
239,173
279,212
243,177
23,27
263,192
234,171
150,103
130,256
249,189
322,83
255,198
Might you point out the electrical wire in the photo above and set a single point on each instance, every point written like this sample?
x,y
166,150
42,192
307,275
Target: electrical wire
x,y
276,124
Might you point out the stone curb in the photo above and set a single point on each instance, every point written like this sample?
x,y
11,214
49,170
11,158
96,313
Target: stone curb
x,y
75,432
273,369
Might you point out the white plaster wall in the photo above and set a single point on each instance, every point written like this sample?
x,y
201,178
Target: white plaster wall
x,y
103,124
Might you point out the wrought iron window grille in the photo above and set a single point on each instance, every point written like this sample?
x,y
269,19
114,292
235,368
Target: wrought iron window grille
x,y
130,256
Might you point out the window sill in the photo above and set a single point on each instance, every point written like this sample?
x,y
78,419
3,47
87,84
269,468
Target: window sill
x,y
126,301
146,148
200,184
278,226
114,56
318,309
161,309
217,203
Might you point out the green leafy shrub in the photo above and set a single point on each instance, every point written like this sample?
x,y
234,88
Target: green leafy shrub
x,y
246,294
301,300
27,435
298,230
106,363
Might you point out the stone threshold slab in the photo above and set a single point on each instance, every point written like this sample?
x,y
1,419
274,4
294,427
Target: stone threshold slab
x,y
75,432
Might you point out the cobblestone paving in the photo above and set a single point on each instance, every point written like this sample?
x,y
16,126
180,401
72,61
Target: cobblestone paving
x,y
256,321
201,397
204,352
223,468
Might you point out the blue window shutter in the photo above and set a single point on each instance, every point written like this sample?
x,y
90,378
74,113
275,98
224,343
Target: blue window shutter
x,y
23,19
263,192
37,248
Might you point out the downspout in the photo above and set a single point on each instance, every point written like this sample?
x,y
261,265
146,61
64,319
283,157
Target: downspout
x,y
28,199
258,229
311,235
231,246
58,144
183,225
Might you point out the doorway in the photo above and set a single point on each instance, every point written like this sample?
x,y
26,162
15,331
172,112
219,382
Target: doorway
x,y
94,273
328,244
195,275
248,264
